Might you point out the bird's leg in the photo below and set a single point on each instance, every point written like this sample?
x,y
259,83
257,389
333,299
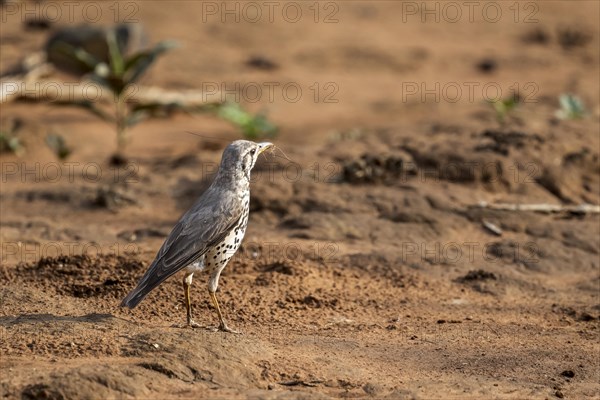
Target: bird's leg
x,y
222,325
187,283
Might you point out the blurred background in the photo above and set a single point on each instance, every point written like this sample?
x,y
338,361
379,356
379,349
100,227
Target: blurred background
x,y
387,63
430,226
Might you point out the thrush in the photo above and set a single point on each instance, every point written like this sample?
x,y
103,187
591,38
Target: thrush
x,y
209,233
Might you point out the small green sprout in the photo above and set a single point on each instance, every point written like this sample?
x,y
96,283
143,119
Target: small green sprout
x,y
571,107
252,126
58,145
9,140
11,143
504,107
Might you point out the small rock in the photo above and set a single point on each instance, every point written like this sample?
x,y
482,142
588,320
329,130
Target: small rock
x,y
260,62
573,37
536,36
487,65
568,373
372,389
37,24
478,275
586,317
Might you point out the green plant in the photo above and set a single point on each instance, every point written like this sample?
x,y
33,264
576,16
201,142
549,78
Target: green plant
x,y
9,140
118,75
11,143
571,107
504,106
252,126
58,145
122,71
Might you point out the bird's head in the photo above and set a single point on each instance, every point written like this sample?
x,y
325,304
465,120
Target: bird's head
x,y
240,156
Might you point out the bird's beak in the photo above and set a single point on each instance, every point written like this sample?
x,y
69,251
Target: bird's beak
x,y
263,146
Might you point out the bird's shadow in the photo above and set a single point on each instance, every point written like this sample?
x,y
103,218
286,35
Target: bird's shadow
x,y
10,321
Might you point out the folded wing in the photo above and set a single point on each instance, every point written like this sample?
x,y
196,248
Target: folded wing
x,y
207,223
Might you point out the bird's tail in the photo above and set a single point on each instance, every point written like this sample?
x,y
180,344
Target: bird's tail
x,y
134,297
151,279
144,286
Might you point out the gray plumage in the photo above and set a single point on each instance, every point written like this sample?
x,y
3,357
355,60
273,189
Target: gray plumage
x,y
216,220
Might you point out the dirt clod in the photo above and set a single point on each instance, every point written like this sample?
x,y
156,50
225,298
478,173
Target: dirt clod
x,y
377,168
477,275
568,373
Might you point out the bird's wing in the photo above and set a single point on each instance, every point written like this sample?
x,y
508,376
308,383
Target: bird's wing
x,y
204,225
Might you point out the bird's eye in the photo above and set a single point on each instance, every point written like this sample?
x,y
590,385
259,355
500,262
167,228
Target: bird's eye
x,y
252,151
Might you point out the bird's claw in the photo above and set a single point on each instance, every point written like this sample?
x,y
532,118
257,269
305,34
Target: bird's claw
x,y
224,328
193,324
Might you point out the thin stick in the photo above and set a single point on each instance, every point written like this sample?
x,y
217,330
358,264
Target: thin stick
x,y
545,208
208,137
282,152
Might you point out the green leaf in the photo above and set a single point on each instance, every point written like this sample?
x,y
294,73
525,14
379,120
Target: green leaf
x,y
261,128
86,60
117,62
137,64
504,106
233,113
114,83
137,116
571,107
252,126
11,143
58,146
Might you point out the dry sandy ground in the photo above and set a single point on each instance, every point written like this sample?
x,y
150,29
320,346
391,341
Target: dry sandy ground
x,y
366,271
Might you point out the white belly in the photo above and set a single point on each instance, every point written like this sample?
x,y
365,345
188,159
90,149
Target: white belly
x,y
218,256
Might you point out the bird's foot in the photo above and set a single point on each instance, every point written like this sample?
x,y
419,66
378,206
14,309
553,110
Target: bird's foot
x,y
193,324
224,328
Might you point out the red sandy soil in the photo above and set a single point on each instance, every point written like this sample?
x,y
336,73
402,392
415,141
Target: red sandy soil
x,y
366,271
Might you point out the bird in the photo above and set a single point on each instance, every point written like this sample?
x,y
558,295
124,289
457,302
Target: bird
x,y
209,233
